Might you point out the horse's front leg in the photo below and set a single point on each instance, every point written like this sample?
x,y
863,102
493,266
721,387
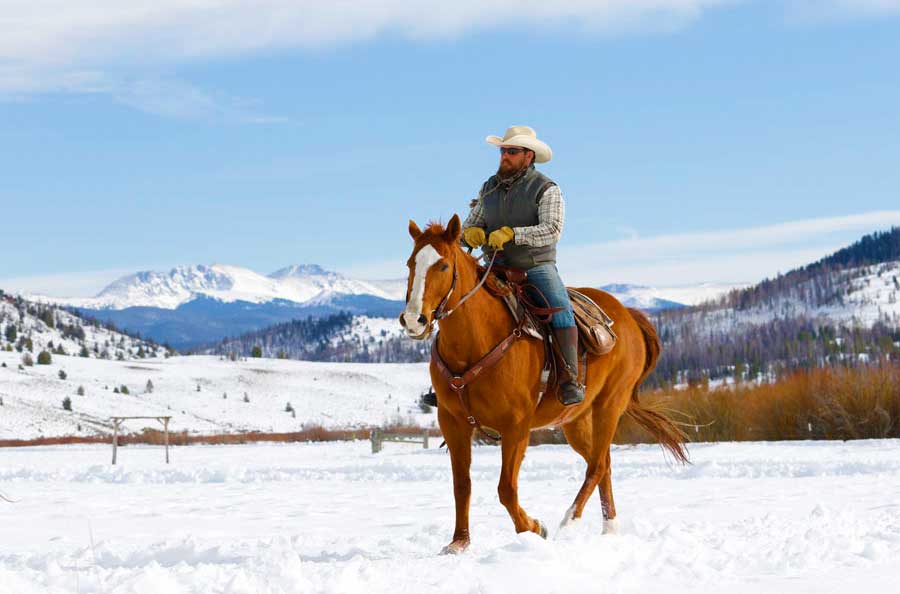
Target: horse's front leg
x,y
459,442
513,447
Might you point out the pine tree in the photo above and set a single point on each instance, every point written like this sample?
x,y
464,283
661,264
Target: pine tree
x,y
44,358
256,353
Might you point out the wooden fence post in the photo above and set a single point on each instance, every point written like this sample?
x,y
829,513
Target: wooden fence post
x,y
115,438
166,430
376,440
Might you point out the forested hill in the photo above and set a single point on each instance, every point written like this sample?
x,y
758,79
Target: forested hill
x,y
825,281
841,310
338,337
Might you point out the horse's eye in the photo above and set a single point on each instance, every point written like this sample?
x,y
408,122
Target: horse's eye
x,y
444,267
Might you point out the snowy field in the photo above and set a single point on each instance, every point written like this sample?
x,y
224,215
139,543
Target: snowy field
x,y
232,396
334,518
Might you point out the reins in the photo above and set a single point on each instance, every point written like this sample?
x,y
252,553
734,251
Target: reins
x,y
439,313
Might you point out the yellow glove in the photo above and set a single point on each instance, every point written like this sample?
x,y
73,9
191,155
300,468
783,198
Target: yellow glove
x,y
474,236
501,236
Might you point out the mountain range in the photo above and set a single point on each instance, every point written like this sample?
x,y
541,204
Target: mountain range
x,y
192,305
189,306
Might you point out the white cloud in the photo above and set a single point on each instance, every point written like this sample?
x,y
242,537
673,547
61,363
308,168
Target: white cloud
x,y
45,42
726,256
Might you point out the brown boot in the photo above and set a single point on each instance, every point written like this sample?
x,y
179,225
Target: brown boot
x,y
570,392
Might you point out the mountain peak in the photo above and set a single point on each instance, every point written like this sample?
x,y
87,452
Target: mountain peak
x,y
302,271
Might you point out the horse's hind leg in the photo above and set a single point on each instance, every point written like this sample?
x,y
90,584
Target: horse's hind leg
x,y
513,447
610,525
579,434
603,427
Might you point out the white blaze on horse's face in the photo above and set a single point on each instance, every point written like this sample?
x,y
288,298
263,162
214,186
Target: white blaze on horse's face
x,y
413,314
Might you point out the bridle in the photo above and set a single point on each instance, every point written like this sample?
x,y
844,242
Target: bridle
x,y
439,313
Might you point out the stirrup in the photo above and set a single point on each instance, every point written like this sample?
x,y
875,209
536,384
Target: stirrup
x,y
571,393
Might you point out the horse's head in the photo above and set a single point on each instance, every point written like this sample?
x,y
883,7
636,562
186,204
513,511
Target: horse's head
x,y
431,273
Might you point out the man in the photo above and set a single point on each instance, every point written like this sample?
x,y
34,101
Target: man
x,y
519,212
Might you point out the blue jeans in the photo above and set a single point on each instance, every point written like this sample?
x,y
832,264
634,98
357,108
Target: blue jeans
x,y
546,278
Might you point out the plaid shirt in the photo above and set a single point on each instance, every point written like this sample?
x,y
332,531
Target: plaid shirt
x,y
551,212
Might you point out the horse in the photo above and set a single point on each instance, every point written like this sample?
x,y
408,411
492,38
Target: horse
x,y
504,396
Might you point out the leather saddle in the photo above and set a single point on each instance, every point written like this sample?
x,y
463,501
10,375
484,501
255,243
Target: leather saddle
x,y
595,334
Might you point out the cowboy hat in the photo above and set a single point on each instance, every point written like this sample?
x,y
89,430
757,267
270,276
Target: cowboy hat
x,y
524,137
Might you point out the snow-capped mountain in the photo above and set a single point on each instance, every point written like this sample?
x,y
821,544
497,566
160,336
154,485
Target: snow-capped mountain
x,y
193,305
661,298
305,284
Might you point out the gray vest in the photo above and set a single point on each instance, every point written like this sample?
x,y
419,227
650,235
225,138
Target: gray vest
x,y
517,206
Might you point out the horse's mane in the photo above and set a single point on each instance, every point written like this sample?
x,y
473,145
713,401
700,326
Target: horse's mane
x,y
436,229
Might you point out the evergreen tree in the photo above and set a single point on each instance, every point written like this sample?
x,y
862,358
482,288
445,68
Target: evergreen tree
x,y
44,358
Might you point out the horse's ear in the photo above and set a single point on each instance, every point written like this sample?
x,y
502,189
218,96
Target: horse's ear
x,y
414,230
453,228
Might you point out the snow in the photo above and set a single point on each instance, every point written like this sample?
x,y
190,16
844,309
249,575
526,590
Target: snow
x,y
297,518
336,395
168,290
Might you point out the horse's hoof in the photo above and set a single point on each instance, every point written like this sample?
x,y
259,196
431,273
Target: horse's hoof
x,y
568,518
542,530
455,548
611,526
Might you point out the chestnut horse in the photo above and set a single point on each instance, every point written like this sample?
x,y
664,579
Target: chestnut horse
x,y
505,396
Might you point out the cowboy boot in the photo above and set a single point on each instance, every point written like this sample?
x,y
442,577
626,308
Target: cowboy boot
x,y
570,391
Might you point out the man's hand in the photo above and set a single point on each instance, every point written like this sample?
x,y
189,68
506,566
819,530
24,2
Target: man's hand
x,y
474,236
500,237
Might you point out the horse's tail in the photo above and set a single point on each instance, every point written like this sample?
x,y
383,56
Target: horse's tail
x,y
664,430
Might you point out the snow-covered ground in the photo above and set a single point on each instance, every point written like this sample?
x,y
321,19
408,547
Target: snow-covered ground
x,y
289,518
233,395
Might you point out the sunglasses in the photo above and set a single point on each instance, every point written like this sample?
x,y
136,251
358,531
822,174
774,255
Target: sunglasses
x,y
504,150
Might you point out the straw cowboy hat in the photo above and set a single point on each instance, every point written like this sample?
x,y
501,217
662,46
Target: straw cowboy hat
x,y
524,137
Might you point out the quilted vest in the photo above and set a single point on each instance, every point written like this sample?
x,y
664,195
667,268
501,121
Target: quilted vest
x,y
517,206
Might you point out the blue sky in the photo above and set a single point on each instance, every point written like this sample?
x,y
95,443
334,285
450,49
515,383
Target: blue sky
x,y
694,140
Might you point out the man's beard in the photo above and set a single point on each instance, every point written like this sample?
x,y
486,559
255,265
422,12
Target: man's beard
x,y
508,170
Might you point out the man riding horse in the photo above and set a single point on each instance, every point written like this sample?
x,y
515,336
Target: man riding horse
x,y
519,212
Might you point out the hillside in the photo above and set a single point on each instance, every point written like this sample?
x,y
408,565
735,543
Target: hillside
x,y
339,337
842,309
27,328
205,394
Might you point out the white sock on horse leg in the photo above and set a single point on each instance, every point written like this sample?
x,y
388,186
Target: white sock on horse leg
x,y
569,517
611,526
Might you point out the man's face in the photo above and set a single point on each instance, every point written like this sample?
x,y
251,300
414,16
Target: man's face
x,y
513,159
